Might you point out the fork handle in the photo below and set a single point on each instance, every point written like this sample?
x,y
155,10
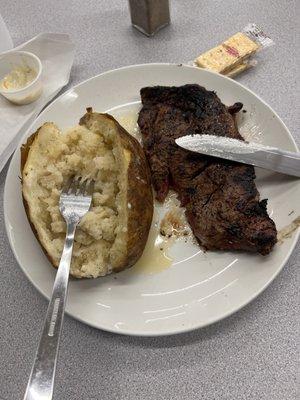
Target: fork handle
x,y
41,381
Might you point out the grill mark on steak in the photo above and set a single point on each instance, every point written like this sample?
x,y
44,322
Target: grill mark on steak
x,y
220,196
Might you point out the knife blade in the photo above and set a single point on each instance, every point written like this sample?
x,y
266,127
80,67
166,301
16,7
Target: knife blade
x,y
271,158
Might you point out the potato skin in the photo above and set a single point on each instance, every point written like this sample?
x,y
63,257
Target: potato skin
x,y
139,192
139,195
24,155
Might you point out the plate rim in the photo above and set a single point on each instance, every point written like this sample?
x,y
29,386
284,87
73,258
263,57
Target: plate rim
x,y
145,333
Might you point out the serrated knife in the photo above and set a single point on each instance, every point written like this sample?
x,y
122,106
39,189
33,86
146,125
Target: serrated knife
x,y
271,158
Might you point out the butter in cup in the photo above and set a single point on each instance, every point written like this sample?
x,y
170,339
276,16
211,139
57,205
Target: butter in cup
x,y
20,77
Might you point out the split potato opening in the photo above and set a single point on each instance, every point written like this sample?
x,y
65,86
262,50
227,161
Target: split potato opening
x,y
113,234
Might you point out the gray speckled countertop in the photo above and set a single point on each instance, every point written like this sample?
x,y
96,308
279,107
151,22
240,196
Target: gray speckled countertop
x,y
251,355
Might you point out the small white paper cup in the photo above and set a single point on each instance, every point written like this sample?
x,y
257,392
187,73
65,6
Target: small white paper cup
x,y
33,90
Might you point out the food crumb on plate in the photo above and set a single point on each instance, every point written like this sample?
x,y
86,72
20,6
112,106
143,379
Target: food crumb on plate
x,y
174,224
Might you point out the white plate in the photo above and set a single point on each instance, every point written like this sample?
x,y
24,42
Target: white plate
x,y
199,288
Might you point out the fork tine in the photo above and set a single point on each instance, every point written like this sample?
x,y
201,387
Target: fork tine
x,y
66,187
74,185
77,185
85,188
89,189
82,186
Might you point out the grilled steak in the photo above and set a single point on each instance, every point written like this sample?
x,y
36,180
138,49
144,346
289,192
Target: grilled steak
x,y
221,200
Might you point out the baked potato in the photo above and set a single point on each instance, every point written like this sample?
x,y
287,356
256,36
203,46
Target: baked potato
x,y
113,234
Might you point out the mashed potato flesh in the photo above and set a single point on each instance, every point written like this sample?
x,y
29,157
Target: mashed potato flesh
x,y
53,160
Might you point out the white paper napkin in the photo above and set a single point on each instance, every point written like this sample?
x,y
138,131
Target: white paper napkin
x,y
6,42
56,52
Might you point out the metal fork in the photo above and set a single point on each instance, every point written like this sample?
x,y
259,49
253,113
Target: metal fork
x,y
75,201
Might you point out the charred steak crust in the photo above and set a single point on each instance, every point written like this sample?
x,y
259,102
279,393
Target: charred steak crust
x,y
221,199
